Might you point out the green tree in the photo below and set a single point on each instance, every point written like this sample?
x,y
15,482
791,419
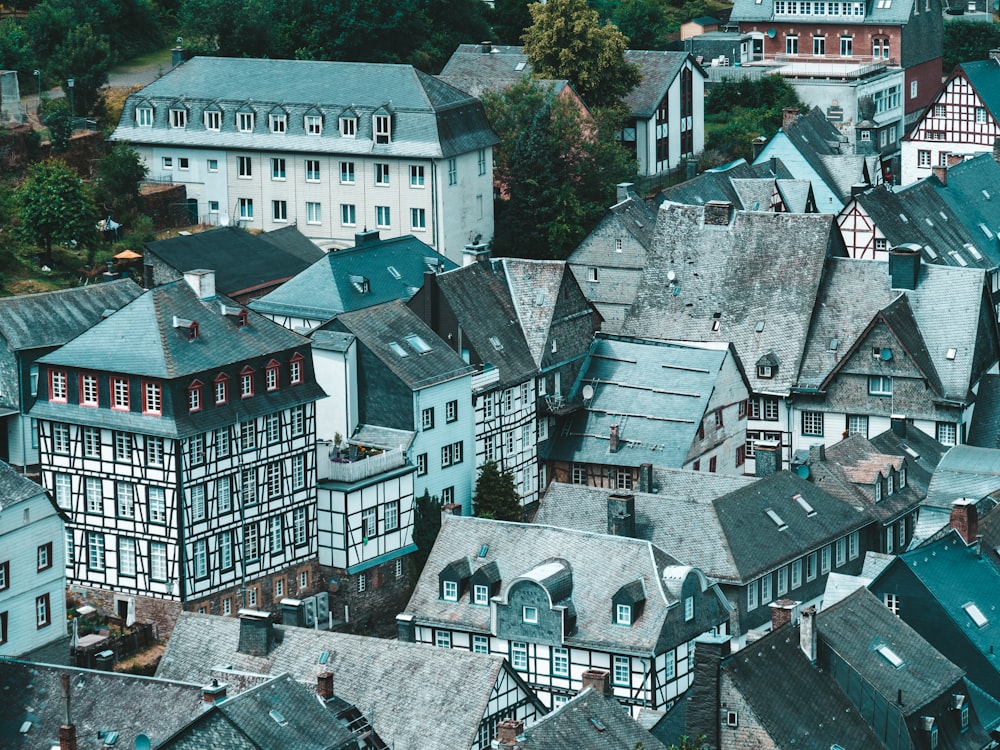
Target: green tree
x,y
496,495
119,173
690,744
234,28
510,20
16,52
567,40
87,59
646,23
426,525
56,118
965,41
55,206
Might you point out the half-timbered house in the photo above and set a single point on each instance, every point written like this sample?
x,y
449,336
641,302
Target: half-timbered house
x,y
558,603
178,435
963,119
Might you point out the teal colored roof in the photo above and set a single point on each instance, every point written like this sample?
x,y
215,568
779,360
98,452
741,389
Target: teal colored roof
x,y
984,75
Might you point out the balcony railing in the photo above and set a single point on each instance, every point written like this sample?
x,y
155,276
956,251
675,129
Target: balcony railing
x,y
331,468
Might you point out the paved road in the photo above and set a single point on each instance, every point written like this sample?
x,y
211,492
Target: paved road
x,y
125,75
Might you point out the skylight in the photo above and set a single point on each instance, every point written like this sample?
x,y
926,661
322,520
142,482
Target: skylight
x,y
959,259
810,511
928,220
394,272
972,251
930,252
903,218
890,656
278,717
398,350
986,231
497,343
419,345
483,550
976,614
950,354
520,66
986,194
759,328
910,452
777,519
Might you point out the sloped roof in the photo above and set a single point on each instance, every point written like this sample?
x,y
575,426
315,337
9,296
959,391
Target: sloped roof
x,y
100,702
921,450
984,432
33,321
965,471
984,75
797,195
590,720
600,565
534,289
393,269
414,695
15,487
972,194
279,713
656,393
659,69
797,704
242,262
875,13
855,627
480,299
381,326
728,271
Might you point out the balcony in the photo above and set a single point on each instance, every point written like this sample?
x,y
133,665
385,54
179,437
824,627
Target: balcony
x,y
354,463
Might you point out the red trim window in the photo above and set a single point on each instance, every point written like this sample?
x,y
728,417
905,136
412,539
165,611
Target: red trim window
x,y
246,382
271,375
193,333
119,394
295,369
222,388
58,390
88,390
244,318
152,398
194,396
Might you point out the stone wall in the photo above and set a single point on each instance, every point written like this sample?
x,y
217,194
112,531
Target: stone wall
x,y
163,203
372,611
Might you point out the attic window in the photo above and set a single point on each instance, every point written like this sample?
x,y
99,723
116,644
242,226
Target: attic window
x,y
765,371
959,259
419,345
483,550
497,344
324,657
759,328
950,354
278,717
520,66
398,350
382,125
243,318
889,655
902,217
193,330
973,251
910,452
810,511
834,344
597,724
623,614
360,283
732,719
986,231
976,614
776,518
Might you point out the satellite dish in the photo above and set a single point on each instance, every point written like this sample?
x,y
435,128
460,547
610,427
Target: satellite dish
x,y
142,742
588,392
771,33
803,471
886,354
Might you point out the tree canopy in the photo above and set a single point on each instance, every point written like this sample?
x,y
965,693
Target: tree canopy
x,y
567,40
119,173
55,206
426,525
496,495
965,41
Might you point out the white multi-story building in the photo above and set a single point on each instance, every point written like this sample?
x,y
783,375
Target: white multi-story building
x,y
178,435
333,147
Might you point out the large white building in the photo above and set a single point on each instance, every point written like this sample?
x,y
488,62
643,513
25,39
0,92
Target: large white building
x,y
333,147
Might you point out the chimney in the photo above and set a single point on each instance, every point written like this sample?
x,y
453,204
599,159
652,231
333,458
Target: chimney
x,y
781,612
214,692
897,423
67,731
774,165
858,188
368,237
599,679
613,447
645,477
965,519
622,190
177,55
691,168
996,149
477,252
508,731
621,515
718,213
788,117
406,628
807,633
324,685
486,47
451,509
704,696
904,265
256,632
942,174
758,147
202,281
767,458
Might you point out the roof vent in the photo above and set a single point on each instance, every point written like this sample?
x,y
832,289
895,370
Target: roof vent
x,y
597,724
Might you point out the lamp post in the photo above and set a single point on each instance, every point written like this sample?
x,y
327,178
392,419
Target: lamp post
x,y
72,107
38,107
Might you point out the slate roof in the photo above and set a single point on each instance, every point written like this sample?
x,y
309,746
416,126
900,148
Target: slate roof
x,y
600,565
748,187
100,702
656,392
892,14
431,119
972,194
33,321
984,432
534,289
390,323
279,713
414,695
480,299
855,627
393,269
637,217
854,292
242,262
728,271
293,242
984,75
590,720
921,450
16,488
965,471
659,69
797,704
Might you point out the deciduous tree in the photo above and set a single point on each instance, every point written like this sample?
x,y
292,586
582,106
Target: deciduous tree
x,y
965,41
119,173
496,495
737,111
55,206
86,58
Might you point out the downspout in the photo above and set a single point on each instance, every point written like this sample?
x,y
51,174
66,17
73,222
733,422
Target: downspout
x,y
181,537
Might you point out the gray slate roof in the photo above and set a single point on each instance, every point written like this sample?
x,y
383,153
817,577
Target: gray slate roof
x,y
965,471
242,262
33,321
335,283
659,69
16,488
728,271
656,392
430,118
921,450
414,695
534,289
984,432
972,193
100,701
390,323
748,187
894,13
600,565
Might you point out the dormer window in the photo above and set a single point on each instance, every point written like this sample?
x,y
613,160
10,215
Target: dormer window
x,y
628,602
449,591
878,489
902,476
689,608
246,383
244,122
888,483
313,124
765,372
480,595
348,126
295,370
623,614
382,127
243,318
271,376
222,389
277,122
194,396
144,117
213,119
57,386
767,366
193,333
178,117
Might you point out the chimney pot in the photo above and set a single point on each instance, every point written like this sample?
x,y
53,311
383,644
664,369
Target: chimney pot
x,y
214,692
599,679
758,148
904,265
486,47
781,612
508,731
788,117
965,519
256,632
324,685
67,737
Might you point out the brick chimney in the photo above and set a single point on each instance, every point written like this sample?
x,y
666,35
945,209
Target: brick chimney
x,y
718,213
406,628
613,446
645,477
767,458
67,737
807,633
621,515
202,281
897,423
942,174
599,679
214,692
781,612
904,265
704,695
324,685
451,509
788,117
508,731
965,519
256,632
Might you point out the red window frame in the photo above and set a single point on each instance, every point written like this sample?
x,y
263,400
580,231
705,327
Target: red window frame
x,y
53,375
246,382
85,378
222,381
295,367
128,396
272,376
195,396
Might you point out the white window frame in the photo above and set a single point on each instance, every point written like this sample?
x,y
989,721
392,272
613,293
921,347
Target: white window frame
x,y
213,119
245,122
449,591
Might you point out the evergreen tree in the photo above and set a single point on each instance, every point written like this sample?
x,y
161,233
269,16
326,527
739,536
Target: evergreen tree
x,y
119,173
496,496
426,525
